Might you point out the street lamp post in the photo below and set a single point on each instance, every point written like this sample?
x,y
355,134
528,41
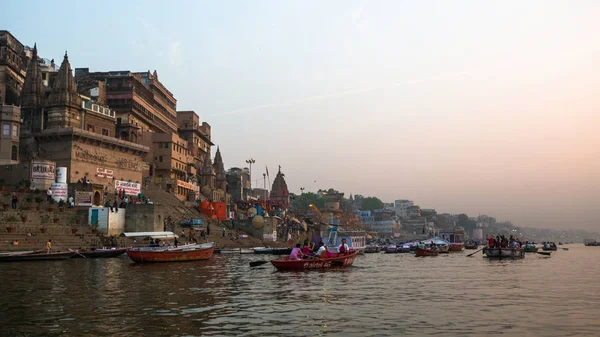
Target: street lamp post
x,y
250,162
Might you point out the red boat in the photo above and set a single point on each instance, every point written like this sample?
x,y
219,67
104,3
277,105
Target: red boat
x,y
341,260
426,252
172,254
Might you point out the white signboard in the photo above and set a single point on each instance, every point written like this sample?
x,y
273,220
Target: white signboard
x,y
61,174
104,173
41,170
60,191
83,198
129,188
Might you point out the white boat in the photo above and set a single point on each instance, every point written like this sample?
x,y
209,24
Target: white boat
x,y
356,240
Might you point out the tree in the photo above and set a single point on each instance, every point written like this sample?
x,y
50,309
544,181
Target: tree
x,y
302,201
465,222
371,204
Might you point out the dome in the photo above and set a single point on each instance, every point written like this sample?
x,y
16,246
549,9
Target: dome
x,y
206,191
258,222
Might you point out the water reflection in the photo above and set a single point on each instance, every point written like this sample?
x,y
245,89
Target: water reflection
x,y
383,295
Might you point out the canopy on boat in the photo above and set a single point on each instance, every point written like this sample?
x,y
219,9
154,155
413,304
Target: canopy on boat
x,y
437,240
153,235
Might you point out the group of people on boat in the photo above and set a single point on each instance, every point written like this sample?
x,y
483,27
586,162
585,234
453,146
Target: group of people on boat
x,y
307,251
500,241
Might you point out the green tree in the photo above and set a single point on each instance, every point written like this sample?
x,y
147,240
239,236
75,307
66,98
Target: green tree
x,y
301,202
465,222
370,204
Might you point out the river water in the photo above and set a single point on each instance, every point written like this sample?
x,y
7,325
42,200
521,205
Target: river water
x,y
381,295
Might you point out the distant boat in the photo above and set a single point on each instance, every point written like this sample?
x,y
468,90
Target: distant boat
x,y
471,244
530,248
549,246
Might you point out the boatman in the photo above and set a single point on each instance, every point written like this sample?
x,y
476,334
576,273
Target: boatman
x,y
343,247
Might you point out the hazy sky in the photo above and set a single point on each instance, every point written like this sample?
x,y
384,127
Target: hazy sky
x,y
487,107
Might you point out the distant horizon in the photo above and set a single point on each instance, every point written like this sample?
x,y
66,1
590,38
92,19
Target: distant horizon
x,y
466,107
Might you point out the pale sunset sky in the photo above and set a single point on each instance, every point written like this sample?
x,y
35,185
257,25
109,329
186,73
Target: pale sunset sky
x,y
487,107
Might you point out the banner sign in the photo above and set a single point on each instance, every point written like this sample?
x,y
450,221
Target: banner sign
x,y
59,191
129,188
104,173
42,170
83,198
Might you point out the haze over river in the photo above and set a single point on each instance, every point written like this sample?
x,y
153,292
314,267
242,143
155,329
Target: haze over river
x,y
381,295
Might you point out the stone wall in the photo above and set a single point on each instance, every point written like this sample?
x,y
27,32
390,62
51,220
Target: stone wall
x,y
143,218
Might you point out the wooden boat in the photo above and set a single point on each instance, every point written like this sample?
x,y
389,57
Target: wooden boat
x,y
504,253
36,256
471,245
171,254
372,249
341,260
101,252
426,252
530,249
549,246
390,249
228,251
272,251
455,239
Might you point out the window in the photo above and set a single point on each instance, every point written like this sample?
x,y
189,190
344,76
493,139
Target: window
x,y
105,132
160,158
13,155
15,131
90,128
6,130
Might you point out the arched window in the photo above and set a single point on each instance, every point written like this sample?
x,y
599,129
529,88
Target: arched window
x,y
133,138
14,153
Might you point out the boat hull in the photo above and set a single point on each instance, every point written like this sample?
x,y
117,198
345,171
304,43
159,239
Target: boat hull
x,y
201,252
100,253
36,257
504,253
530,250
341,260
426,252
456,247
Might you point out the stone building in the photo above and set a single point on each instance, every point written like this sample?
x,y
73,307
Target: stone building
x,y
10,120
62,126
173,168
12,68
238,183
142,103
279,190
196,134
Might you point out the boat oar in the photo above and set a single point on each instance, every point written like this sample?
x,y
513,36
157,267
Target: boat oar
x,y
475,252
544,253
257,263
76,252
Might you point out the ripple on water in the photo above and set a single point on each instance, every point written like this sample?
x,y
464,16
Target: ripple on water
x,y
383,295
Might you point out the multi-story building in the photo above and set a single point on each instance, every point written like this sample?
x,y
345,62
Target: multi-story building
x,y
12,68
401,207
61,126
238,183
10,120
196,134
173,168
413,212
142,104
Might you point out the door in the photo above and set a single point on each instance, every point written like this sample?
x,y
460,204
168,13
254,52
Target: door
x,y
94,216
